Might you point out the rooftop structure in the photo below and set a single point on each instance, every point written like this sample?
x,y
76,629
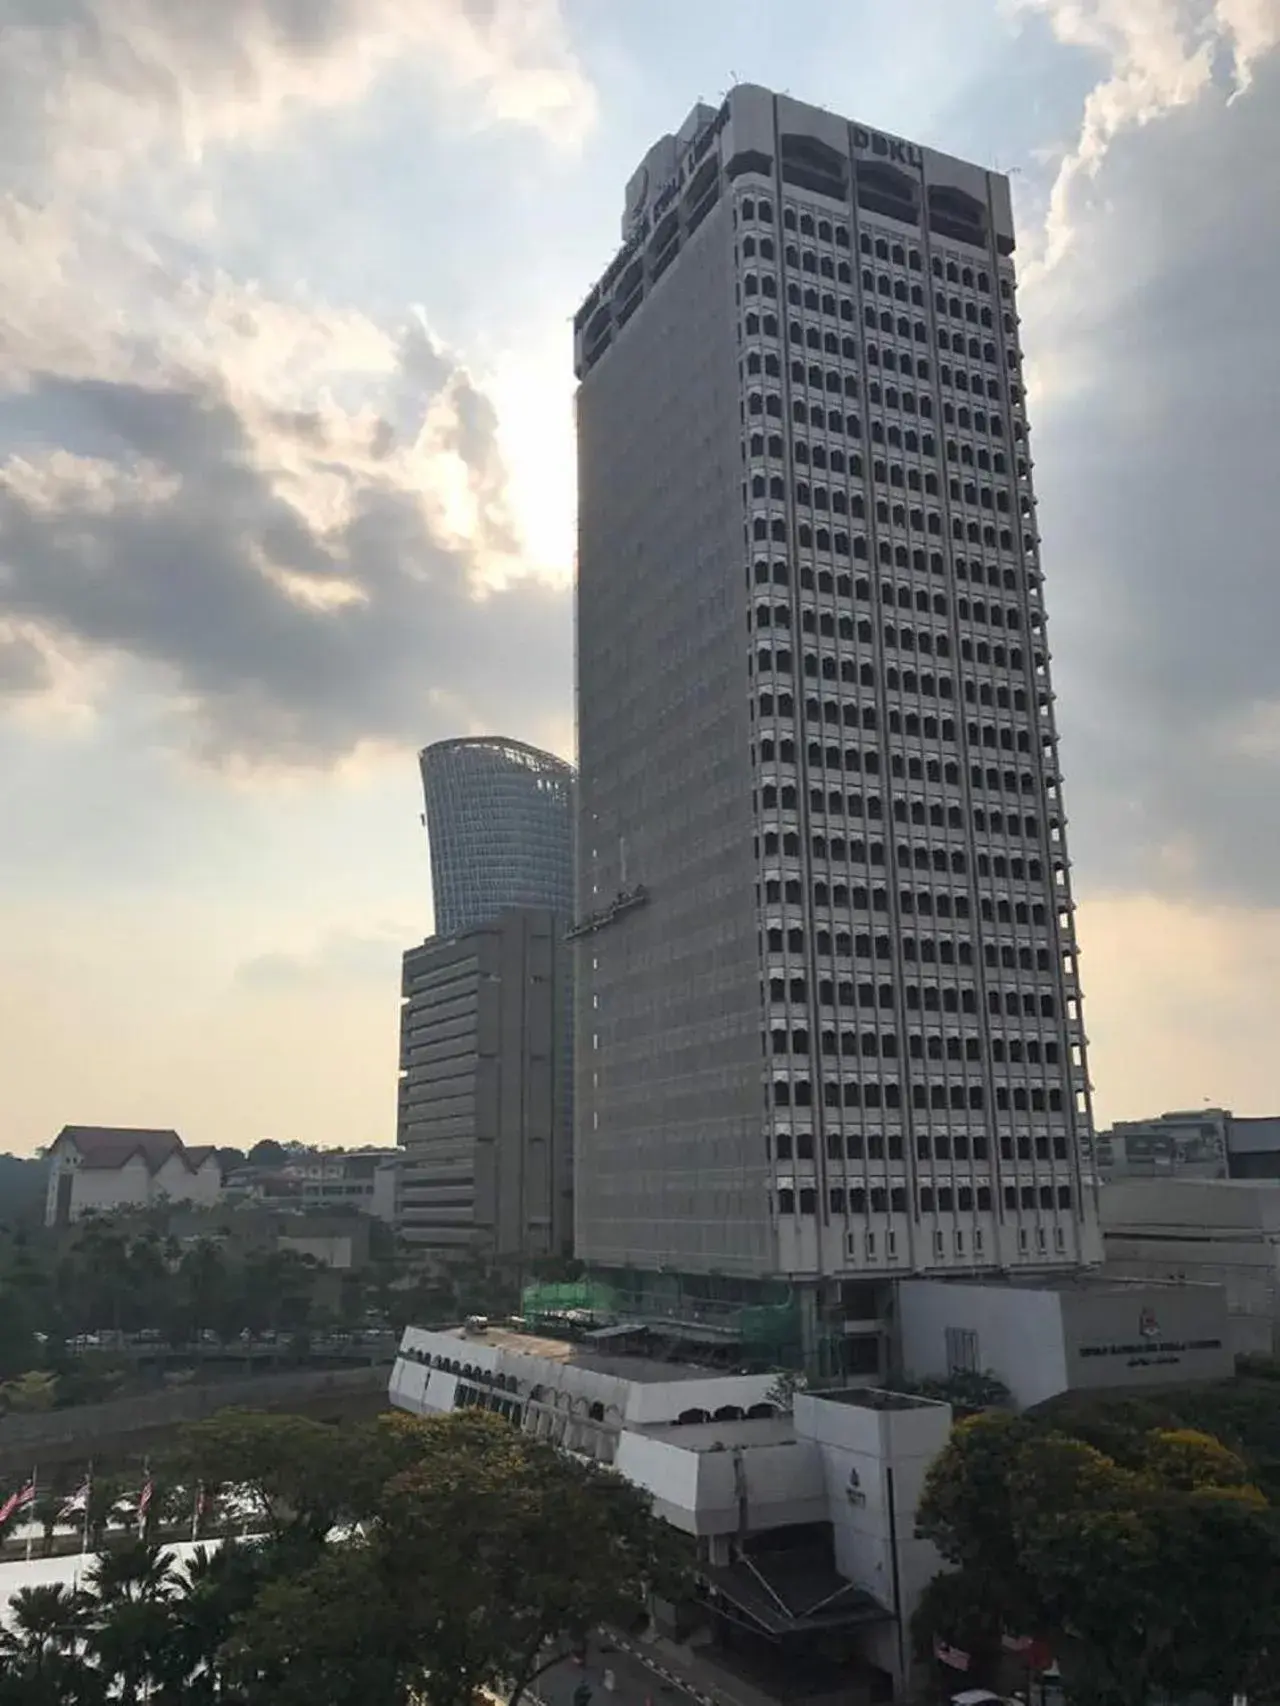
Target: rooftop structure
x,y
499,818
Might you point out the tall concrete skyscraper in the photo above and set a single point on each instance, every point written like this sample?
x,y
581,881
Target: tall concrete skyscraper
x,y
829,1025
500,825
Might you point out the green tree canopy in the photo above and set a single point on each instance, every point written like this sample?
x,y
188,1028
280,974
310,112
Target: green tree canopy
x,y
1137,1574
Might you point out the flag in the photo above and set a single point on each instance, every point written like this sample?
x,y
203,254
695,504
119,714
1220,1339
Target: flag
x,y
946,1654
78,1502
18,1501
144,1499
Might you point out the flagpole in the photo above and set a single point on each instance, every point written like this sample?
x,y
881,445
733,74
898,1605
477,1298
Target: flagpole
x,y
195,1511
88,1495
31,1508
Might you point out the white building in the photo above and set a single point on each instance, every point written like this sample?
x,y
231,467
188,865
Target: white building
x,y
829,1015
103,1168
1052,1336
805,1521
1223,1232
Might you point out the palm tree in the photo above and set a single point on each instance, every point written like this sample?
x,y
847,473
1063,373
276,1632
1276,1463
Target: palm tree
x,y
132,1628
42,1651
217,1586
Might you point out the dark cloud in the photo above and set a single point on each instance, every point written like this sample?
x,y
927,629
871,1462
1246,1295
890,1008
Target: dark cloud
x,y
287,641
1157,455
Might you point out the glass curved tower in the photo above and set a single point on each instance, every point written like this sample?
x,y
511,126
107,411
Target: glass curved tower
x,y
500,826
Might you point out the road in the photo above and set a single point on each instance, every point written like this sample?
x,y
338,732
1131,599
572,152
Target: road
x,y
634,1684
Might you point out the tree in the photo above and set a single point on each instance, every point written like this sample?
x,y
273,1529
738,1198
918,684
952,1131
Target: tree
x,y
1132,1572
305,1477
488,1517
42,1664
216,1587
330,1633
481,1557
129,1633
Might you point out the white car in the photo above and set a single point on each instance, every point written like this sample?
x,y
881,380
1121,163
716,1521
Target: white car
x,y
977,1697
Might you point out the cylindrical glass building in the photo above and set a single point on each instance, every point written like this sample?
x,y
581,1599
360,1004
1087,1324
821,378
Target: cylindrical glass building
x,y
500,826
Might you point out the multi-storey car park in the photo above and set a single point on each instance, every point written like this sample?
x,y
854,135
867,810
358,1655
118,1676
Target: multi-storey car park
x,y
829,1023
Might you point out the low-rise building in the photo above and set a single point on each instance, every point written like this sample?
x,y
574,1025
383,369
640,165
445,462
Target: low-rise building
x,y
101,1169
804,1517
1196,1143
1222,1232
1044,1337
367,1180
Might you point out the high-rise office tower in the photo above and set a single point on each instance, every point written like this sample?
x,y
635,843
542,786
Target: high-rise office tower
x,y
486,1030
500,825
829,1016
485,1098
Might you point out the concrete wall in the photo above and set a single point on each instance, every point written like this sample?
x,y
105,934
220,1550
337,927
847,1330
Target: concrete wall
x,y
129,1425
742,1489
1019,1332
1210,1233
1145,1336
874,1465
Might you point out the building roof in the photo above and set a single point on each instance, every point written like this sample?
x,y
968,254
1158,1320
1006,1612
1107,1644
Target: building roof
x,y
105,1148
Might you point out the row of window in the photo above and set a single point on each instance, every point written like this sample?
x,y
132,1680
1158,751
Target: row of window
x,y
828,231
846,1145
936,1098
877,1045
908,767
923,950
929,998
933,562
928,727
925,903
944,1199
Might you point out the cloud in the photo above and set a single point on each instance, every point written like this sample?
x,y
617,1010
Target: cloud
x,y
1155,446
92,85
302,581
287,519
1160,55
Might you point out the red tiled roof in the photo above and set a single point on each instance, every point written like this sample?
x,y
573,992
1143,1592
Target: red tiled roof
x,y
107,1148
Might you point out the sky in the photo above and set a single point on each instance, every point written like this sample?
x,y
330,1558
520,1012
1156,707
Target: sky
x,y
287,491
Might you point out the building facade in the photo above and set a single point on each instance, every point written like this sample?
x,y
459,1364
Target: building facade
x,y
1223,1232
485,1101
1195,1143
100,1169
1190,1143
829,1015
1054,1335
366,1180
499,818
803,1523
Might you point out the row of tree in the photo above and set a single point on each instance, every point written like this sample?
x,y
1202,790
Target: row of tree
x,y
396,1561
1150,1570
